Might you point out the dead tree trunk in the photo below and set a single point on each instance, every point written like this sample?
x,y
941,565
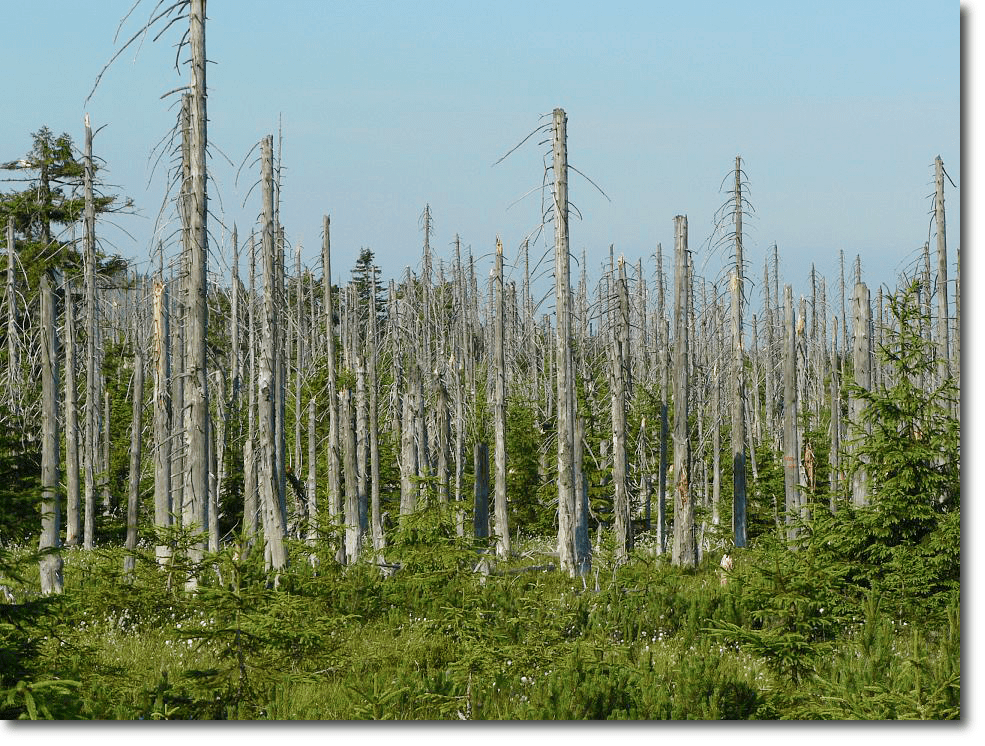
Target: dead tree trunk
x,y
92,360
353,524
334,467
197,314
574,559
50,564
791,439
619,362
861,354
269,481
480,515
13,360
738,384
501,523
943,351
136,443
685,552
834,457
250,485
162,418
72,493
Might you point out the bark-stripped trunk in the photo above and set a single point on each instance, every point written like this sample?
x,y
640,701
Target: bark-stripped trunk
x,y
92,361
136,448
861,354
791,439
619,362
72,492
738,385
269,481
50,564
501,522
574,559
197,314
162,418
685,553
480,515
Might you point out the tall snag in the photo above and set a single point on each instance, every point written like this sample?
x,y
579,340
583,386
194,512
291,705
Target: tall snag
x,y
50,564
575,558
500,523
685,551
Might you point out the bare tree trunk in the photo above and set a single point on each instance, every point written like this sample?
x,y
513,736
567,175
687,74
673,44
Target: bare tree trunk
x,y
13,360
791,439
943,350
480,516
862,353
197,314
622,517
408,458
376,518
269,488
250,486
92,361
685,552
573,559
136,443
353,527
50,564
334,467
834,457
501,523
162,418
738,385
310,487
72,493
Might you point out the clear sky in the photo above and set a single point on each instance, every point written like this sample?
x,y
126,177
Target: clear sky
x,y
837,108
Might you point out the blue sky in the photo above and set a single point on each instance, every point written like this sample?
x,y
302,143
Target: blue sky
x,y
838,110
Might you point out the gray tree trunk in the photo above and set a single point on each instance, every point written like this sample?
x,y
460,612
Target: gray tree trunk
x,y
574,560
50,564
738,384
92,361
251,501
480,515
162,418
72,492
622,517
943,350
274,528
353,524
685,552
13,360
861,354
501,523
834,456
791,439
197,314
334,466
136,443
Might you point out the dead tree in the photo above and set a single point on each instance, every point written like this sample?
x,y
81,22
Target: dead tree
x,y
791,439
50,564
273,523
685,552
574,559
862,355
619,363
92,360
136,442
162,418
72,492
501,523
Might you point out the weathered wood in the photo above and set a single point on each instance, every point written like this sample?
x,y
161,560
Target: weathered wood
x,y
251,494
274,528
575,560
13,359
737,376
91,413
619,362
73,494
480,514
943,348
685,550
50,564
334,464
162,417
136,451
501,522
353,499
861,359
196,421
791,440
834,454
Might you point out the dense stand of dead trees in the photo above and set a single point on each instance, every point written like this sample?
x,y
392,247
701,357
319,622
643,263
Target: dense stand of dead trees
x,y
630,395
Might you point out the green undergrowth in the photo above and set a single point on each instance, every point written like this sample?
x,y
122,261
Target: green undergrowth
x,y
788,635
